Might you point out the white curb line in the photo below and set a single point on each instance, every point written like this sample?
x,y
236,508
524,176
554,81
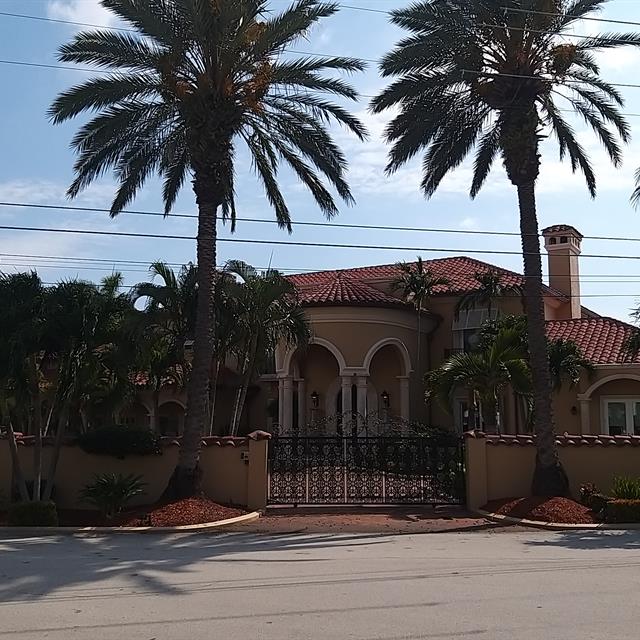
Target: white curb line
x,y
556,526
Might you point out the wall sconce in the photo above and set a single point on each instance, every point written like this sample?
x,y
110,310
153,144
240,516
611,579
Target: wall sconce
x,y
574,411
315,400
385,400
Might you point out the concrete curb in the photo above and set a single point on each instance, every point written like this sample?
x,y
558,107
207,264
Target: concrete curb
x,y
557,526
188,528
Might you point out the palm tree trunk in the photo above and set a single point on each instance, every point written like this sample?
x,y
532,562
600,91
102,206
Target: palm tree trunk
x,y
213,395
17,467
242,395
155,418
55,456
185,480
549,478
419,339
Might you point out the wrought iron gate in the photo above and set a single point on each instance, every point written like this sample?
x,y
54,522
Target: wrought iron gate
x,y
366,470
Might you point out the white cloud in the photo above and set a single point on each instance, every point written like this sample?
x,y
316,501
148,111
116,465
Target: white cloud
x,y
469,223
89,11
49,192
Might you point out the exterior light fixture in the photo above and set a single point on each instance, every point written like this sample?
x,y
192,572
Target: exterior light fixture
x,y
315,400
385,400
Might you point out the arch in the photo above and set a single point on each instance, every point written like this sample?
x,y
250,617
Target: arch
x,y
321,342
600,383
174,401
404,354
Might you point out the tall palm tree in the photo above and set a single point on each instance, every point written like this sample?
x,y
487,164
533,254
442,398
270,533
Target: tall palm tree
x,y
179,95
487,373
490,75
269,314
417,284
491,287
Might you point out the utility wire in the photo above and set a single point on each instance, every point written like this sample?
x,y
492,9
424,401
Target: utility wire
x,y
292,243
335,225
567,15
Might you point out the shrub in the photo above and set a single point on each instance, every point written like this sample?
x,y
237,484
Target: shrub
x,y
592,498
626,488
622,511
32,514
120,441
110,492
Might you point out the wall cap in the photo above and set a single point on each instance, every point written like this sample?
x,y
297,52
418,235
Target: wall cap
x,y
565,440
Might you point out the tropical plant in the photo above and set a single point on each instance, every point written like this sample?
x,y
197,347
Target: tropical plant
x,y
269,314
486,373
196,79
111,492
567,363
625,488
417,284
491,287
489,75
120,441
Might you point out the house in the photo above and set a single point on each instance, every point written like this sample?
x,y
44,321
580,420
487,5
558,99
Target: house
x,y
364,354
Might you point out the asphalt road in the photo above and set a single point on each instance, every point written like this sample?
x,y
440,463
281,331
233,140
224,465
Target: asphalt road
x,y
484,585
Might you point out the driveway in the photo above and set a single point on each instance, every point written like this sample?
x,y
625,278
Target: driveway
x,y
489,585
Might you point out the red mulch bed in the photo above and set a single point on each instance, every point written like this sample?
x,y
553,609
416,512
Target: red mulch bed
x,y
560,510
172,514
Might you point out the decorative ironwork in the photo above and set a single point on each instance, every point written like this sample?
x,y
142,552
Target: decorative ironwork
x,y
366,470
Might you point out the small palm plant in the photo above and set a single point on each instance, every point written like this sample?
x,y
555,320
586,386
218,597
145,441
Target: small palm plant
x,y
417,284
110,492
491,287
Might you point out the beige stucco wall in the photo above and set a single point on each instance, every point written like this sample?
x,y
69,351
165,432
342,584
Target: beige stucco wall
x,y
496,471
227,478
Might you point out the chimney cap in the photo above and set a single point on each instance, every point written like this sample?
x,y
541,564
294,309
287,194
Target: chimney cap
x,y
561,228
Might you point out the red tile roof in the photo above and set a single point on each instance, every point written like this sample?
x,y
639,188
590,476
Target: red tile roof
x,y
343,289
601,339
460,272
565,440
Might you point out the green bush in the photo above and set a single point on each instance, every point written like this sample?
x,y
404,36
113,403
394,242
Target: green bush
x,y
622,511
120,441
626,488
33,514
110,492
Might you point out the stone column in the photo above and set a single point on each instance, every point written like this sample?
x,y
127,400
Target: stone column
x,y
405,396
585,416
287,413
302,407
280,404
363,386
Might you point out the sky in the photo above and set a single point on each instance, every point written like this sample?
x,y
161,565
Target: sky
x,y
36,166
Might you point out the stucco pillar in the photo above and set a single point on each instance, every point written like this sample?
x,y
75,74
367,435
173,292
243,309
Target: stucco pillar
x,y
287,413
405,396
475,451
585,416
257,473
302,406
363,387
347,406
280,404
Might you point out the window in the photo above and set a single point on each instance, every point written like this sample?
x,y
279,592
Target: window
x,y
466,328
621,416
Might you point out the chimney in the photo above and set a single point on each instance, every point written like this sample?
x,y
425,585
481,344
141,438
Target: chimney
x,y
563,245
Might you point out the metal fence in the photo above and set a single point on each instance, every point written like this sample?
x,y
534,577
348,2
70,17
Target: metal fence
x,y
366,470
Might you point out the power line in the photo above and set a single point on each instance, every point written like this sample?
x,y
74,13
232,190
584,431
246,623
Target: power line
x,y
566,15
336,225
292,243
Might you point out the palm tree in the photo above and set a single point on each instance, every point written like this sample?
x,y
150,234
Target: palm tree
x,y
489,75
417,284
269,313
196,79
567,363
491,287
487,373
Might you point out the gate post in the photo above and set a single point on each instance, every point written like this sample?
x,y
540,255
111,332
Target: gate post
x,y
258,476
475,453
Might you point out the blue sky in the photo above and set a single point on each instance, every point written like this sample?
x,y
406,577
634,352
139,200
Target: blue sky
x,y
36,167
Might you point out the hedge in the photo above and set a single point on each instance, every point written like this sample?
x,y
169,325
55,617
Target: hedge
x,y
32,514
622,511
120,441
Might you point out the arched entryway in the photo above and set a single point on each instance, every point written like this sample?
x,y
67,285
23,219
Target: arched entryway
x,y
135,415
171,418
